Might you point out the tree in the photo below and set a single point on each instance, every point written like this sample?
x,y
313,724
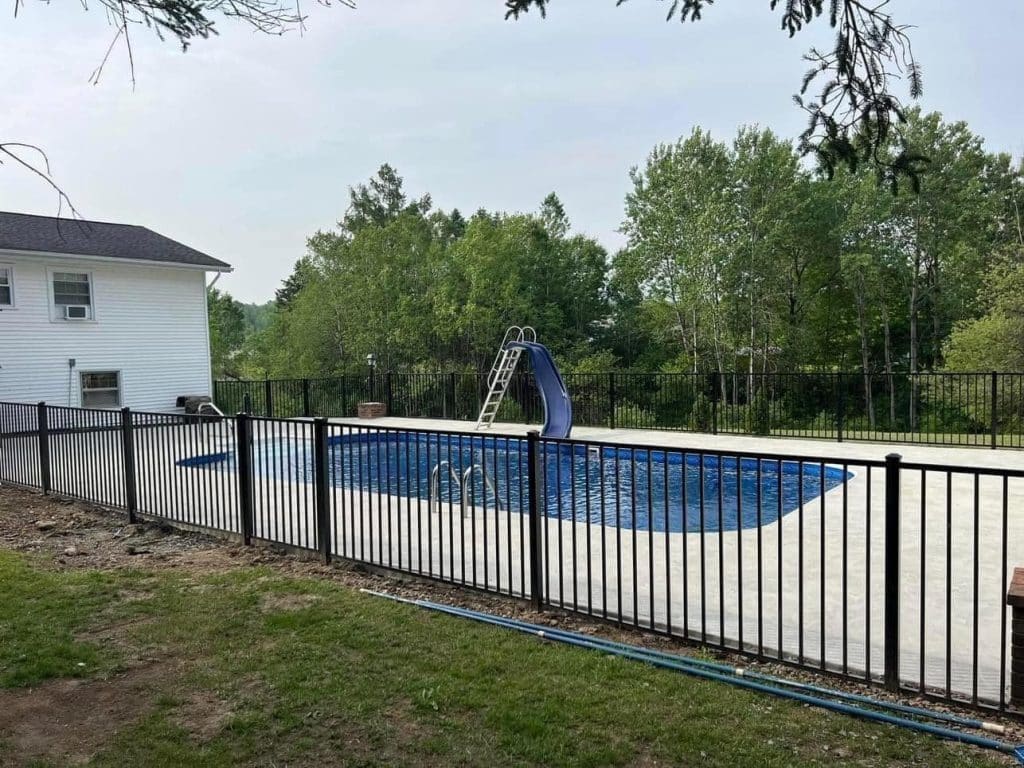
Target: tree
x,y
553,216
855,118
380,202
994,341
302,274
675,213
227,330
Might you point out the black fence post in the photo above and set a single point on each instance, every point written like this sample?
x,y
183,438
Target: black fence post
x,y
451,394
715,387
131,498
995,394
243,455
306,411
891,675
44,448
344,394
611,400
535,470
389,399
268,399
247,402
321,486
840,406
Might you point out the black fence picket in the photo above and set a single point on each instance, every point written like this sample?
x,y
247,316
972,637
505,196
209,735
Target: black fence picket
x,y
980,409
882,571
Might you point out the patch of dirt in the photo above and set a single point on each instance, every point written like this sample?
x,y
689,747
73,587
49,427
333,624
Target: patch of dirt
x,y
203,714
276,603
68,721
115,634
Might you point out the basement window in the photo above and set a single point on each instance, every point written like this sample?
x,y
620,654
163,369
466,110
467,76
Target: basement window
x,y
101,389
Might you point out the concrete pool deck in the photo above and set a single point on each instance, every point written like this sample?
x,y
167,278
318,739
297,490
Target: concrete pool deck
x,y
784,586
811,585
966,456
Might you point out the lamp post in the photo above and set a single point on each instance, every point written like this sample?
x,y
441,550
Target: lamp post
x,y
371,364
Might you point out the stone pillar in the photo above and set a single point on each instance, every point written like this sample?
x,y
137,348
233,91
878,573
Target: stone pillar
x,y
1015,599
371,410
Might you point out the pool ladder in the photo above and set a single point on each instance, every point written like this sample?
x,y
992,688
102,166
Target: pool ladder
x,y
465,484
502,371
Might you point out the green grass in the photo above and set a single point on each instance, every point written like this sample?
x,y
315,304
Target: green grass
x,y
311,672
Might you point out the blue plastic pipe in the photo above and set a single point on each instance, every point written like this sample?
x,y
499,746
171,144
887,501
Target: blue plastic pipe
x,y
676,663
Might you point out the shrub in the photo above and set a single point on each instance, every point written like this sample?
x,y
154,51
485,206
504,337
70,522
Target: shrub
x,y
759,414
701,414
511,412
632,416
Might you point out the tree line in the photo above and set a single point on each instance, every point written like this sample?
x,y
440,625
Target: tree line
x,y
739,257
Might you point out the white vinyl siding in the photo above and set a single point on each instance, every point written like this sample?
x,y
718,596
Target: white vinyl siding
x,y
148,323
6,286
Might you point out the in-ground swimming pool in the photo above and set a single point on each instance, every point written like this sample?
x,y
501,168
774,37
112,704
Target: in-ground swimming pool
x,y
638,488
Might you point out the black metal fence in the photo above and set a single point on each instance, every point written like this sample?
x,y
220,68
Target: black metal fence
x,y
883,571
983,409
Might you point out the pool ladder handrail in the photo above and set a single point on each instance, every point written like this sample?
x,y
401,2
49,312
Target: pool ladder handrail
x,y
502,371
465,484
213,414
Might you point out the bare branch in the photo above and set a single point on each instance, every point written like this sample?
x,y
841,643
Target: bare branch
x,y
41,168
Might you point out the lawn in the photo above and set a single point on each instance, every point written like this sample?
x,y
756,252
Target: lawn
x,y
255,667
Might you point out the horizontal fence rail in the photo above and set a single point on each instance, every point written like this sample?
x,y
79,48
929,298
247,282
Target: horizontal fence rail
x,y
982,409
885,572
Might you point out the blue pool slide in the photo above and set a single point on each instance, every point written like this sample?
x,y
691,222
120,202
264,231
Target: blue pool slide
x,y
557,406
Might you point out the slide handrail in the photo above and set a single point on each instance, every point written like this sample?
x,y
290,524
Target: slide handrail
x,y
514,333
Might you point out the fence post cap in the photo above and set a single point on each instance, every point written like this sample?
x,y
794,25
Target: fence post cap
x,y
893,457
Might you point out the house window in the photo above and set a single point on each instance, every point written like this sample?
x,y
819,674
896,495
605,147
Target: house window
x,y
73,289
6,287
101,389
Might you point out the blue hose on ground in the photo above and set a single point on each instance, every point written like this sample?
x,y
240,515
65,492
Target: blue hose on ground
x,y
907,709
678,664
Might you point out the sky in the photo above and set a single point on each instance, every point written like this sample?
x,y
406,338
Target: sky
x,y
245,145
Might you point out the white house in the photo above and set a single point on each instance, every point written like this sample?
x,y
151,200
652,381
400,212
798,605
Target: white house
x,y
101,315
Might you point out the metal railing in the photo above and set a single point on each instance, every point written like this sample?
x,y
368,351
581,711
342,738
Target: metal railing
x,y
980,409
883,571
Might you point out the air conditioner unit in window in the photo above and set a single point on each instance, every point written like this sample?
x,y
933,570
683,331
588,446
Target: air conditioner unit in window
x,y
76,312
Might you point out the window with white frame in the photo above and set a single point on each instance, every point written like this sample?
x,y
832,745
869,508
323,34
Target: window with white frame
x,y
72,295
101,389
6,286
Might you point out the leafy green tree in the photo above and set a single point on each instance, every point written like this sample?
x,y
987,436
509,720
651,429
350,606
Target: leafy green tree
x,y
994,341
301,275
258,316
678,207
380,201
227,331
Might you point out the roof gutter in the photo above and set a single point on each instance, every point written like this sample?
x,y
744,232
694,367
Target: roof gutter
x,y
116,260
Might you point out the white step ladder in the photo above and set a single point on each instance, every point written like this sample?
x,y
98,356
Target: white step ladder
x,y
501,373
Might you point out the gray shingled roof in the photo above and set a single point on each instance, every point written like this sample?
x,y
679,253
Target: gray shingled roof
x,y
25,232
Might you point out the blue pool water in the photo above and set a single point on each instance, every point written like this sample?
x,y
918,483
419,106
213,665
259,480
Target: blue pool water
x,y
635,488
